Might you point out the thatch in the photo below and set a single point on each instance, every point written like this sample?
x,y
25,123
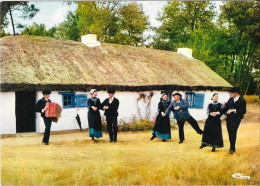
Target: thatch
x,y
35,63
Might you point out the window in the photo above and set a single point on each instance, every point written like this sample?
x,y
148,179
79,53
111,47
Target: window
x,y
195,100
68,99
81,100
189,96
169,94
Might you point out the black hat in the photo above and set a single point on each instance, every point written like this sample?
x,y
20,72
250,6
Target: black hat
x,y
234,89
177,94
46,92
111,91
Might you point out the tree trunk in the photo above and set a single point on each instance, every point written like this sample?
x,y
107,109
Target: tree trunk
x,y
10,12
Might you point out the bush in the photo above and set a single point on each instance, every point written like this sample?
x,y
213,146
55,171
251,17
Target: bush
x,y
133,125
251,98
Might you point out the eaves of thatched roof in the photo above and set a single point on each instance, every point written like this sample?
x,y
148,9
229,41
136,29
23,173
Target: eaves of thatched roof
x,y
36,63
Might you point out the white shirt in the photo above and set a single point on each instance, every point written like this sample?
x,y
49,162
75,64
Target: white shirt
x,y
43,109
236,98
111,99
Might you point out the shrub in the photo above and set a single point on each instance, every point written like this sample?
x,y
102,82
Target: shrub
x,y
133,125
251,98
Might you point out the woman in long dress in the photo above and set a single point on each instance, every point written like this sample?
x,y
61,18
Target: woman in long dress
x,y
162,127
212,135
94,118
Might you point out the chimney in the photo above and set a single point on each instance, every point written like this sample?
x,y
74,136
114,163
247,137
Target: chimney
x,y
90,40
185,51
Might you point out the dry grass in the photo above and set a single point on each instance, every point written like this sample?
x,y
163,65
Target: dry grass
x,y
73,159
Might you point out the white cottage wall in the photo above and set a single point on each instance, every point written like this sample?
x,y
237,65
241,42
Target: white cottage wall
x,y
7,113
67,120
129,108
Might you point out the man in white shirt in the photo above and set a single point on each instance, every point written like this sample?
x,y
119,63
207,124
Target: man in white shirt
x,y
41,107
110,105
235,109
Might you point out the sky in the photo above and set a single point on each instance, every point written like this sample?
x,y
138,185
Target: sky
x,y
53,13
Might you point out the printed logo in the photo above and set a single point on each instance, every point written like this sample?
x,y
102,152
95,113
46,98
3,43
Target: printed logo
x,y
240,176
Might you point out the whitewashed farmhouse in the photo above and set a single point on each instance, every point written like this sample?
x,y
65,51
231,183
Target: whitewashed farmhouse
x,y
30,64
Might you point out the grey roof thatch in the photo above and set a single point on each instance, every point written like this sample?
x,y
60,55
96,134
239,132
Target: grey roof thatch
x,y
35,63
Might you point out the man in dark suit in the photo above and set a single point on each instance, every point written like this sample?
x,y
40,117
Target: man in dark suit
x,y
110,105
180,107
41,108
235,109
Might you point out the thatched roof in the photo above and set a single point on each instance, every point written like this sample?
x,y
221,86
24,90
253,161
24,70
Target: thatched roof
x,y
36,63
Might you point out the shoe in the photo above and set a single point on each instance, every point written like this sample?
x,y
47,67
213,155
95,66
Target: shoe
x,y
153,137
94,140
164,140
43,141
111,141
181,141
231,152
46,143
201,147
115,141
213,149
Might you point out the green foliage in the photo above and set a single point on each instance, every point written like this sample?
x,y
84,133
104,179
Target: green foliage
x,y
98,18
243,27
8,7
38,30
230,47
113,22
179,20
132,24
69,29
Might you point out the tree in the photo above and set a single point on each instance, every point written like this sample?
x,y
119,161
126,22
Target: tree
x,y
241,19
69,28
113,22
98,18
179,20
132,24
39,30
8,7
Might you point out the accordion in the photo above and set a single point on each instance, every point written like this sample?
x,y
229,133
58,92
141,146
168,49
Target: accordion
x,y
53,111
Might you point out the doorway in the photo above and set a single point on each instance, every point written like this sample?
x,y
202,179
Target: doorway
x,y
24,111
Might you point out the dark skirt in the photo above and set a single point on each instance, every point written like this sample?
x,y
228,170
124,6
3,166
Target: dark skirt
x,y
95,125
212,135
162,127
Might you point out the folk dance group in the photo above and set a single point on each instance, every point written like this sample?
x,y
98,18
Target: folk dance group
x,y
235,109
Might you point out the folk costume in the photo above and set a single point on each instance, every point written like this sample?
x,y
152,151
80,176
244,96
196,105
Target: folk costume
x,y
39,107
238,104
182,115
111,115
94,118
212,134
162,127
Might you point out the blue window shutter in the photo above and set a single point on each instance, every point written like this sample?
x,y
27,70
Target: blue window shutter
x,y
199,100
81,100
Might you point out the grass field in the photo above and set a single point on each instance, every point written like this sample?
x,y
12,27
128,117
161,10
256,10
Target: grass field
x,y
73,159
